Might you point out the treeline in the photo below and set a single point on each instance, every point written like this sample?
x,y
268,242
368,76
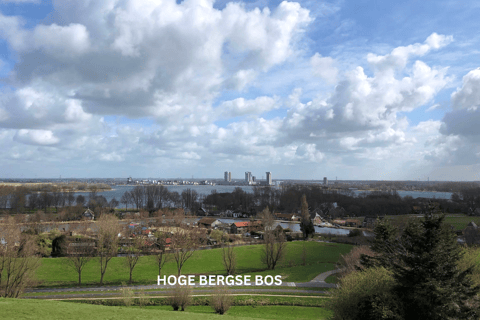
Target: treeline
x,y
287,199
22,199
152,198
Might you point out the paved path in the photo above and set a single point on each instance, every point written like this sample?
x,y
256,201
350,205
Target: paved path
x,y
317,282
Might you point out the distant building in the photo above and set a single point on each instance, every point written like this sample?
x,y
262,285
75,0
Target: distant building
x,y
325,181
269,178
248,177
254,179
228,176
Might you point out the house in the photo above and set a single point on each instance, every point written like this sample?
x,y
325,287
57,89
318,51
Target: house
x,y
88,215
202,212
239,227
353,223
284,216
208,223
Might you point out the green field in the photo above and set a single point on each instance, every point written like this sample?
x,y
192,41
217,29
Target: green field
x,y
321,257
458,221
43,310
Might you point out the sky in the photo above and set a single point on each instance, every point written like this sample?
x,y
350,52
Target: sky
x,y
353,89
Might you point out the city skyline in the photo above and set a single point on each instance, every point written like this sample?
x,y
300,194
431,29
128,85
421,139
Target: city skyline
x,y
303,89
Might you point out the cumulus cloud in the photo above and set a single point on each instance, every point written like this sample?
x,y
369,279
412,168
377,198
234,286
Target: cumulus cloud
x,y
185,66
468,96
241,107
324,67
36,137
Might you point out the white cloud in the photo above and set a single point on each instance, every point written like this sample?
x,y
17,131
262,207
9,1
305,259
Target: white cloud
x,y
324,67
241,107
36,137
468,96
62,41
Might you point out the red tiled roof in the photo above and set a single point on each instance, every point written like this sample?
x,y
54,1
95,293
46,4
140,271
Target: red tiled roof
x,y
242,224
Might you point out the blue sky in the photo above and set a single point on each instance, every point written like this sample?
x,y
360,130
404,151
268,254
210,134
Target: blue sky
x,y
354,89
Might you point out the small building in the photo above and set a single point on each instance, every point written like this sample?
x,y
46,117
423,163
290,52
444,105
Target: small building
x,y
88,215
208,223
352,223
239,227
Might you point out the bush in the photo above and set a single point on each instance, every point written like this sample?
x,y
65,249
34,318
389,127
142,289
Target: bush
x,y
351,261
355,233
127,295
365,295
180,297
221,300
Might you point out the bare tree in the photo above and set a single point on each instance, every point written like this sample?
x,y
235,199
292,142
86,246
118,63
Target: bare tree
x,y
274,247
160,246
18,261
133,253
107,246
126,199
79,253
229,259
184,243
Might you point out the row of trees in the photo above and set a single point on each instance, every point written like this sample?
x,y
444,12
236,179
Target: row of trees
x,y
156,197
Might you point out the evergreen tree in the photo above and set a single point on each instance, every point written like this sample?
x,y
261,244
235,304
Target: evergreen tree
x,y
428,281
306,224
424,261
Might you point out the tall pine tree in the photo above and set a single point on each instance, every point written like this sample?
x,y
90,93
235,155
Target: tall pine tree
x,y
424,261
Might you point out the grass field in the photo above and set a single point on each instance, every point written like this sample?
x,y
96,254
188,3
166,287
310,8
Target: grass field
x,y
458,221
43,310
321,257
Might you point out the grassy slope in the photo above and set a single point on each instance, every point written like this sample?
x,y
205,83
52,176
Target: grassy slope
x,y
40,310
320,257
264,312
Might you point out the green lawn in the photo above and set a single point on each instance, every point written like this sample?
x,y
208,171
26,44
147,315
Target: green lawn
x,y
43,310
461,221
263,312
458,221
320,257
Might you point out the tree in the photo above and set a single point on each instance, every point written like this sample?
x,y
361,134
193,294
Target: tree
x,y
79,255
428,281
126,199
274,247
183,245
80,200
107,246
306,224
424,261
229,259
18,261
160,245
133,253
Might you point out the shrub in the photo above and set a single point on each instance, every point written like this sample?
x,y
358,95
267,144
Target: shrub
x,y
180,297
355,233
351,261
143,299
221,300
127,295
365,295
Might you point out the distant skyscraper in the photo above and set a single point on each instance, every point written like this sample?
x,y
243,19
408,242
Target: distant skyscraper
x,y
269,178
248,177
228,176
325,181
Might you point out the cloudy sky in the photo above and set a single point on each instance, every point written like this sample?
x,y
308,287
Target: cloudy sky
x,y
354,89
